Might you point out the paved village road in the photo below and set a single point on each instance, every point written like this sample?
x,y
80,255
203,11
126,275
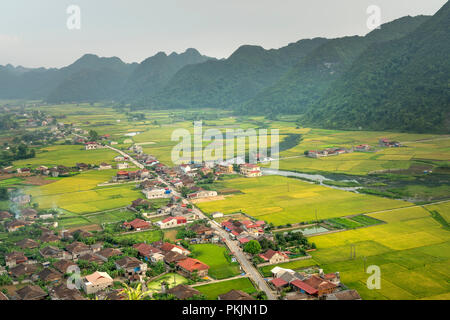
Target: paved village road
x,y
246,265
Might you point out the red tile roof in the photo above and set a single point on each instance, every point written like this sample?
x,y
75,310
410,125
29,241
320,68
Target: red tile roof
x,y
270,253
278,282
137,224
304,286
191,265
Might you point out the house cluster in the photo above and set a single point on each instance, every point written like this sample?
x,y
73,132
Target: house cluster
x,y
62,254
244,230
126,176
173,255
302,286
327,152
201,193
23,217
250,170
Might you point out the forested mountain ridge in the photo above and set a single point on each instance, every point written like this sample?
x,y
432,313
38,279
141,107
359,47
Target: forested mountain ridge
x,y
309,79
401,84
229,82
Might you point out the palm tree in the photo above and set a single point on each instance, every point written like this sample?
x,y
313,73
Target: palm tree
x,y
135,293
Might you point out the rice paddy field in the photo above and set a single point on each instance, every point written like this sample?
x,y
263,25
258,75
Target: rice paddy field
x,y
417,147
281,200
213,290
67,155
214,256
80,194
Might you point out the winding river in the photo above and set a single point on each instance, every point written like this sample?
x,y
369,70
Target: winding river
x,y
312,177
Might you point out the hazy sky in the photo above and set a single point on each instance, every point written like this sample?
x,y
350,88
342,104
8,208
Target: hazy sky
x,y
34,33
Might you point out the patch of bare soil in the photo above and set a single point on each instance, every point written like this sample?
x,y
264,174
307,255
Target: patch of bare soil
x,y
208,199
38,181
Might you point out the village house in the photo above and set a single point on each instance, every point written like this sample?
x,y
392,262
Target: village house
x,y
183,292
122,176
91,146
254,228
250,170
274,257
235,295
4,215
27,244
76,249
122,166
22,199
362,148
235,227
216,215
155,193
70,235
31,292
48,237
173,257
137,225
54,253
171,222
201,193
140,203
96,247
29,214
344,295
15,258
185,168
384,142
148,184
96,282
24,270
190,267
167,247
205,171
131,266
119,158
104,166
314,285
63,265
48,275
201,230
146,250
223,169
90,257
61,292
107,253
82,166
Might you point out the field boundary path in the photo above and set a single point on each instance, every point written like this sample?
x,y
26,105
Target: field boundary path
x,y
218,281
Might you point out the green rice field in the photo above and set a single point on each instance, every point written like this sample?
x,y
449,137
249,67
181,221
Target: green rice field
x,y
213,290
282,200
214,256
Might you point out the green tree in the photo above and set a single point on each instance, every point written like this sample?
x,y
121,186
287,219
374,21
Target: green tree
x,y
252,247
93,135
